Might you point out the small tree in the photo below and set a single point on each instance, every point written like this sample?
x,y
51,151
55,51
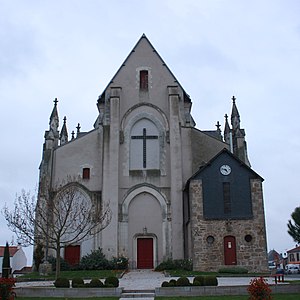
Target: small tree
x,y
66,216
6,262
294,229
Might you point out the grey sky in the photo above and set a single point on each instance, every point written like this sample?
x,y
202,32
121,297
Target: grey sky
x,y
216,49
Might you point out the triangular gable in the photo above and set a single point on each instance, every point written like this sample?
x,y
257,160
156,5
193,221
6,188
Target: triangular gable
x,y
186,96
227,152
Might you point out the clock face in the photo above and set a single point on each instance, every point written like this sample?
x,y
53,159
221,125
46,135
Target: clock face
x,y
225,170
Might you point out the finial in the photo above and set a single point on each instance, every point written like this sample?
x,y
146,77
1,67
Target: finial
x,y
55,101
78,128
218,125
73,135
65,119
233,99
226,117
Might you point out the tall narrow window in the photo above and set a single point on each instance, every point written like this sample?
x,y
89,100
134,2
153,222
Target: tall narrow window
x,y
86,173
226,197
144,80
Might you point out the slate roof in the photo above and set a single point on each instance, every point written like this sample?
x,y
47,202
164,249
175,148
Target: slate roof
x,y
296,249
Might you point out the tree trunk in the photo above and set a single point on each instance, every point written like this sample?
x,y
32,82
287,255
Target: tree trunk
x,y
57,272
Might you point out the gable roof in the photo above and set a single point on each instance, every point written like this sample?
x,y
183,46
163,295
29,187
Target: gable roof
x,y
216,156
12,250
296,249
186,96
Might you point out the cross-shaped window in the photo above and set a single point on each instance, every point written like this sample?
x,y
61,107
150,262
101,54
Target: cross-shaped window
x,y
144,146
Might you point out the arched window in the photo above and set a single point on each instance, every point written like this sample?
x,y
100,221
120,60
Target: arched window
x,y
144,146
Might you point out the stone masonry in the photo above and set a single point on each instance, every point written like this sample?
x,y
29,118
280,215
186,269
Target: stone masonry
x,y
208,235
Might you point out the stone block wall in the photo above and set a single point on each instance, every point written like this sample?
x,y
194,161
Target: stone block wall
x,y
208,235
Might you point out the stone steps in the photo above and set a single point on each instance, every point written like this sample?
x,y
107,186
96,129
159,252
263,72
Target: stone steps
x,y
149,294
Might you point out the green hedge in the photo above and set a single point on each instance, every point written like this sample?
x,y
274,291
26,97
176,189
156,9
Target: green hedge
x,y
233,270
94,283
62,283
205,280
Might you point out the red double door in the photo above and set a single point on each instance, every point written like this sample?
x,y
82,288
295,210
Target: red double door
x,y
72,255
145,253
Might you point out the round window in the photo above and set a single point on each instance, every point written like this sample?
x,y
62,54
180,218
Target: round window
x,y
248,238
210,239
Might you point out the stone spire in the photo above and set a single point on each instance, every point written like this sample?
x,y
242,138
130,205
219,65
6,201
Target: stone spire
x,y
54,120
64,133
235,116
239,145
52,135
219,132
227,131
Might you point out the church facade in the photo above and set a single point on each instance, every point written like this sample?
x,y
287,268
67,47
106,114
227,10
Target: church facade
x,y
174,191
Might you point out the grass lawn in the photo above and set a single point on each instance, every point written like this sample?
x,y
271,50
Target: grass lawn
x,y
246,297
85,274
49,298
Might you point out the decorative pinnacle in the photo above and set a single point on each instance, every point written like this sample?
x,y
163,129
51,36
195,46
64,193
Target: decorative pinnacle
x,y
65,119
226,117
55,101
78,128
233,99
218,125
73,135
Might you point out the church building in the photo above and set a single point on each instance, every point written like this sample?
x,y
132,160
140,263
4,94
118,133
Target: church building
x,y
174,191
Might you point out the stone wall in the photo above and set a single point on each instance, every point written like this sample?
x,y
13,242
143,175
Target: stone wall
x,y
208,235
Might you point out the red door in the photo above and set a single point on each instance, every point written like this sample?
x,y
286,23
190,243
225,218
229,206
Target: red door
x,y
145,253
229,250
72,255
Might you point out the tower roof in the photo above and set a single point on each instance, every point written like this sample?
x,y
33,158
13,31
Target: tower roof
x,y
234,112
54,113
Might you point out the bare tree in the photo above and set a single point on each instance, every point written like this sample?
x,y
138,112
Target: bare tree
x,y
68,216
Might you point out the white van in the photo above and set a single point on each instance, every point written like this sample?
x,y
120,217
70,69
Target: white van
x,y
292,269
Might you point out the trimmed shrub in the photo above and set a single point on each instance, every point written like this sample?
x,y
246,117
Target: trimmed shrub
x,y
165,284
233,270
77,282
113,281
62,283
95,261
197,283
182,281
172,282
199,279
210,280
177,264
95,283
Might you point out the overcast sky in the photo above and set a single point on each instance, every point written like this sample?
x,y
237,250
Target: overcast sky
x,y
216,49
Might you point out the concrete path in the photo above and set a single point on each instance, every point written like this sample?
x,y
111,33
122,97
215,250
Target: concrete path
x,y
149,280
144,283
